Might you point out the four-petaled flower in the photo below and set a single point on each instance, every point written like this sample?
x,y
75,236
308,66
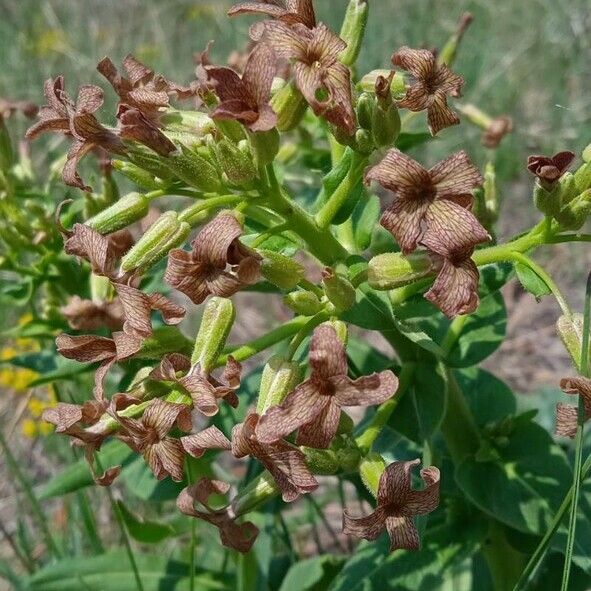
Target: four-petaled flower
x,y
287,11
203,271
149,436
284,461
397,504
430,205
566,414
314,407
240,537
549,169
246,99
433,82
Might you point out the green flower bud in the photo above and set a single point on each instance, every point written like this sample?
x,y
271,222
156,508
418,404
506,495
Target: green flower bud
x,y
548,202
216,323
165,233
290,106
142,178
322,461
570,331
149,161
194,170
339,290
265,145
363,141
100,288
393,269
586,155
164,340
196,123
568,188
129,209
340,328
280,270
236,163
370,470
305,303
385,125
279,378
353,30
583,177
397,86
574,215
365,107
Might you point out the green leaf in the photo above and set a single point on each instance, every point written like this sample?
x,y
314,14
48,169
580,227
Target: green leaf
x,y
406,141
312,574
364,358
482,334
372,310
418,336
78,475
39,361
531,281
147,532
421,408
365,218
112,572
66,369
493,277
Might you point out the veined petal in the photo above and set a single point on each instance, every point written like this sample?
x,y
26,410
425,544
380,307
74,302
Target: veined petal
x,y
404,220
403,533
394,486
424,501
367,528
455,176
327,355
366,390
320,432
439,115
211,438
420,63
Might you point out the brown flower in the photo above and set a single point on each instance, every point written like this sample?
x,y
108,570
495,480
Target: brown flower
x,y
430,205
204,270
135,125
433,83
240,537
246,99
323,80
284,461
549,169
314,407
288,11
397,504
89,315
497,129
205,390
76,119
149,436
566,414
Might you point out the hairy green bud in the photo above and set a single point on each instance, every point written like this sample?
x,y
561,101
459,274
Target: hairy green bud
x,y
586,155
385,125
371,469
339,290
397,84
583,177
193,169
265,145
236,163
129,209
279,378
365,107
353,30
393,269
280,270
547,201
142,178
573,215
363,141
290,106
305,303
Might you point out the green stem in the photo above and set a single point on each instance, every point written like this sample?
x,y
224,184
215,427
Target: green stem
x,y
188,215
503,561
453,333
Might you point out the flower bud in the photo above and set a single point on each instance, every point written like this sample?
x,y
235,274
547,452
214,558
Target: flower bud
x,y
280,270
196,123
365,107
194,170
586,155
568,188
370,470
149,161
279,378
448,53
547,201
393,269
305,303
322,461
570,331
165,233
265,145
216,323
100,288
363,141
340,328
339,290
573,215
290,106
142,178
583,177
236,163
129,209
385,125
397,84
353,30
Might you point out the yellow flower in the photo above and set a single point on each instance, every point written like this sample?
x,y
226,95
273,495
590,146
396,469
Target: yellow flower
x,y
29,428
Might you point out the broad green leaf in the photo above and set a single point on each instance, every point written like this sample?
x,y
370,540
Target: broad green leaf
x,y
66,369
41,362
531,281
493,277
406,141
78,475
112,572
147,532
372,310
482,333
312,574
364,358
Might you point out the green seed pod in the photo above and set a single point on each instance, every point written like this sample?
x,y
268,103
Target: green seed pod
x,y
216,323
548,202
280,270
570,331
290,106
583,177
370,471
238,164
142,178
353,30
304,303
279,378
129,209
365,108
393,269
194,170
385,125
265,145
166,233
339,290
575,214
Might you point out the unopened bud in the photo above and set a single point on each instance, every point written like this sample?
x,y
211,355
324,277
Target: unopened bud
x,y
290,106
586,155
575,214
165,233
583,177
340,328
216,323
447,55
265,145
397,84
339,290
568,188
393,269
142,178
196,123
194,170
236,163
365,107
279,378
371,469
385,125
150,162
280,270
353,30
547,200
570,331
304,303
129,209
322,461
363,141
